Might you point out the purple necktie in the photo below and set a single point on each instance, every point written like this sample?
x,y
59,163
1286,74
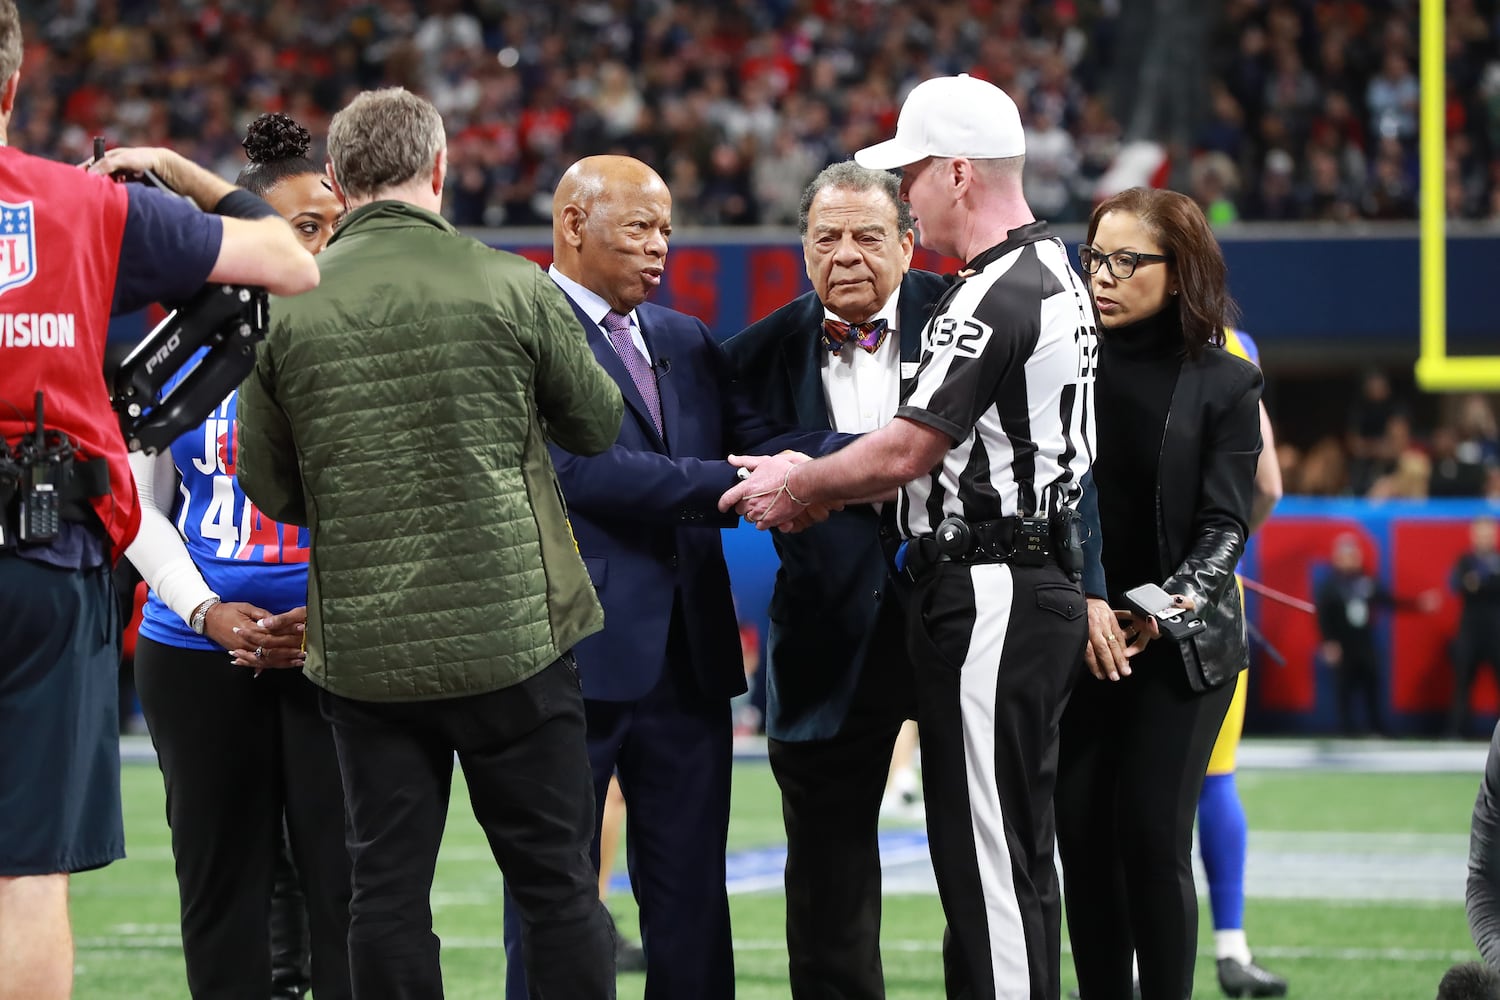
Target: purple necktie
x,y
618,327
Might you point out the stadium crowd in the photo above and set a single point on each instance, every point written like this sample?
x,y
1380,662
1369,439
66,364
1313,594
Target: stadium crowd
x,y
1387,451
1311,107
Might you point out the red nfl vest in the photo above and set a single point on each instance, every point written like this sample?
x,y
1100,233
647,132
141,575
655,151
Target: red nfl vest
x,y
60,235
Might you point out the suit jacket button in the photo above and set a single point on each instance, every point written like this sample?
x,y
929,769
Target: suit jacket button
x,y
877,595
672,561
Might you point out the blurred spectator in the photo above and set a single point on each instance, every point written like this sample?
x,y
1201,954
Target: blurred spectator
x,y
1479,440
1451,475
1347,600
1392,99
1409,479
1051,166
1328,197
1289,458
1275,199
1215,179
1476,580
1370,449
1324,472
1224,131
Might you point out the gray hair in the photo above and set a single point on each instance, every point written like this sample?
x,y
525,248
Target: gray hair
x,y
10,39
383,139
850,176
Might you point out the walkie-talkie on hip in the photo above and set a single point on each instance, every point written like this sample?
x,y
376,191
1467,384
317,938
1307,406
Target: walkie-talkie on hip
x,y
43,466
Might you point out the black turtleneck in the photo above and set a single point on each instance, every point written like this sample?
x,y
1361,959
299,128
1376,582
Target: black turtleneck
x,y
1138,366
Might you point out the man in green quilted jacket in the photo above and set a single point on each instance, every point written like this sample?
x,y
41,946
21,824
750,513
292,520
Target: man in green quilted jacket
x,y
403,414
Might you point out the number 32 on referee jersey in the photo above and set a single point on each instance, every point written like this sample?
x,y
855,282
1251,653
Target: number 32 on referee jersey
x,y
968,336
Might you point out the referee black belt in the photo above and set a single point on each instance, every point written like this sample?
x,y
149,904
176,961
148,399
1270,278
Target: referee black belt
x,y
1023,541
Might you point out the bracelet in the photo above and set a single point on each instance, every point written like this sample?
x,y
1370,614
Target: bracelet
x,y
199,619
786,487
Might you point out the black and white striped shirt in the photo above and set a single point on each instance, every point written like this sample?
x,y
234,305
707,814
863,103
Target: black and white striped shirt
x,y
1007,372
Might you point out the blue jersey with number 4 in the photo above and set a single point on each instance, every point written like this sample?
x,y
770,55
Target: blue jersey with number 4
x,y
242,555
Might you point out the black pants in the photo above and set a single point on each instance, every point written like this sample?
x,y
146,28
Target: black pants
x,y
830,802
291,948
1133,756
996,649
239,753
1357,678
1477,642
673,753
523,754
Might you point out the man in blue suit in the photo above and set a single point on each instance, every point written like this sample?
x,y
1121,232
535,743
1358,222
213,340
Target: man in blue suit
x,y
657,681
839,679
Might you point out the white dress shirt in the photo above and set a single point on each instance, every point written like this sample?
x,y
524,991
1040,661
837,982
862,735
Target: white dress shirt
x,y
863,389
596,309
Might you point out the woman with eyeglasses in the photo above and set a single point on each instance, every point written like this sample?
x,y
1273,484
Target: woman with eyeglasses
x,y
1179,435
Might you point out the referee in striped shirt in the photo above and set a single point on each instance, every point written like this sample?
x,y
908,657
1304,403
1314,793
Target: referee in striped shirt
x,y
989,448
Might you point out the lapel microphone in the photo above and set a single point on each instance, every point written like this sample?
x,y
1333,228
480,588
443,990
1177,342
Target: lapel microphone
x,y
663,367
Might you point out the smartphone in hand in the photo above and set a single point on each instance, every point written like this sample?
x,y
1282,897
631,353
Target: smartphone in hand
x,y
1150,601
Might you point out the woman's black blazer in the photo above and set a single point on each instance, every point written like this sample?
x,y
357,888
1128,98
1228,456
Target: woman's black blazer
x,y
1205,482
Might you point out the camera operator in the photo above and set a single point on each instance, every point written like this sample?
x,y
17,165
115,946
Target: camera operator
x,y
75,248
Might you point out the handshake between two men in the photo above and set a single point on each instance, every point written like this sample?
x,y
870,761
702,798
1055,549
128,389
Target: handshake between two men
x,y
767,497
783,492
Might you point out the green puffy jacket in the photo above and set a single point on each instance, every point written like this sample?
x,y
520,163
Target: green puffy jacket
x,y
401,411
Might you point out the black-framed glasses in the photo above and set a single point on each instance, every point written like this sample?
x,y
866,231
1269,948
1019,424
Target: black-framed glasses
x,y
1121,263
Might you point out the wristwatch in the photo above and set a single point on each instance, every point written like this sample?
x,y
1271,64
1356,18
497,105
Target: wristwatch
x,y
200,615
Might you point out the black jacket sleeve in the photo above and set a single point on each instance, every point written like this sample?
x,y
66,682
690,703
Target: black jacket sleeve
x,y
1230,451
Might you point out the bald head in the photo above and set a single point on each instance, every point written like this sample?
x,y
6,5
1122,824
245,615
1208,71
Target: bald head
x,y
611,218
594,176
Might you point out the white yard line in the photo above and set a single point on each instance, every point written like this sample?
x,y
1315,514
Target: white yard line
x,y
1259,753
102,945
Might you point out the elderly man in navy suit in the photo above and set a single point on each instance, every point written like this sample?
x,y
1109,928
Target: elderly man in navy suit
x,y
657,681
839,679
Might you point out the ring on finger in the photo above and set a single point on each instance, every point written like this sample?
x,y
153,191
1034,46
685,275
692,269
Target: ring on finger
x,y
260,652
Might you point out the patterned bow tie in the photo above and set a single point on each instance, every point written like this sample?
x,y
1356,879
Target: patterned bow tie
x,y
869,335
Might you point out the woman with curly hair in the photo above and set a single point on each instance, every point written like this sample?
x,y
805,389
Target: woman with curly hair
x,y
245,755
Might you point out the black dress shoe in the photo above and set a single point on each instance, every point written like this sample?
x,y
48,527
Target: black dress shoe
x,y
629,956
1240,979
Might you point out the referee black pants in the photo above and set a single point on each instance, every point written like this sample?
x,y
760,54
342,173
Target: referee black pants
x,y
996,649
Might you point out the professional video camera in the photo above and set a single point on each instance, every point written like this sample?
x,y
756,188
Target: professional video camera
x,y
226,321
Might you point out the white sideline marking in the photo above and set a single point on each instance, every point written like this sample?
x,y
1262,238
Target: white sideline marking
x,y
127,944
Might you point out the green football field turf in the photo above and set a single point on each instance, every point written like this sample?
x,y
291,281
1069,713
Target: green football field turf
x,y
125,916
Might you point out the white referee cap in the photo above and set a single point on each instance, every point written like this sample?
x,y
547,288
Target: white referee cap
x,y
950,116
